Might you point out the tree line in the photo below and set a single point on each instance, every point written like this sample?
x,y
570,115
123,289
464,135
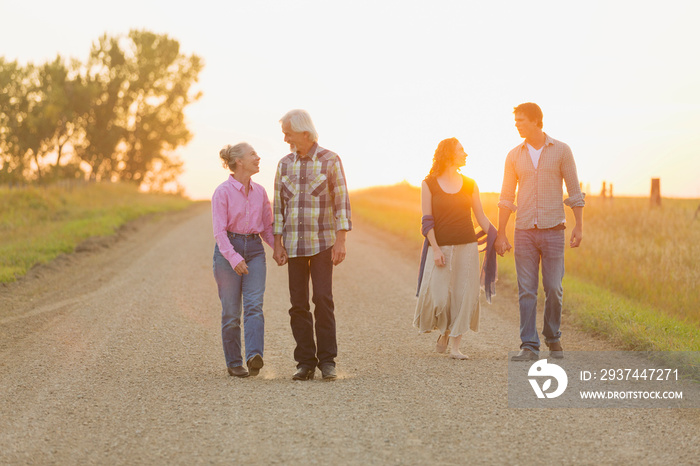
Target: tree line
x,y
118,116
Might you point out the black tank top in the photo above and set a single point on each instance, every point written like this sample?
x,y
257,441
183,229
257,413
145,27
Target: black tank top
x,y
452,213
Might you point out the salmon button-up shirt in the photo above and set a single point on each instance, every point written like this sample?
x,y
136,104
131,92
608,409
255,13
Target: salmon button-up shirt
x,y
539,190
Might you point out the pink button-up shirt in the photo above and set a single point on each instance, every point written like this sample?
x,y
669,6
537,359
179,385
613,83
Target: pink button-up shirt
x,y
232,210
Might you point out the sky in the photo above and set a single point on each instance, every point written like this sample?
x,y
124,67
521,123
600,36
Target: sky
x,y
385,81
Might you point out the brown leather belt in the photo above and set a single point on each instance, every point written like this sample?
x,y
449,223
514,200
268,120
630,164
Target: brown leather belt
x,y
241,235
561,226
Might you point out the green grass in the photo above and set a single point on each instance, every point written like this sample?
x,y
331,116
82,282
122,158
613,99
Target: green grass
x,y
39,223
627,322
633,280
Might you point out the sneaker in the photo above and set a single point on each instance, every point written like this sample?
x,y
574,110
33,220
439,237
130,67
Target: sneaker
x,y
525,355
555,350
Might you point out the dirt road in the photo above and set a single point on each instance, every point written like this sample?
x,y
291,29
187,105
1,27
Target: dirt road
x,y
113,356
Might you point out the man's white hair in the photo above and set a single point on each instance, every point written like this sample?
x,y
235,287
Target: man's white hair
x,y
300,121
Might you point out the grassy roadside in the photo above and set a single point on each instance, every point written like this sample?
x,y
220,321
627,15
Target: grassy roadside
x,y
38,224
642,316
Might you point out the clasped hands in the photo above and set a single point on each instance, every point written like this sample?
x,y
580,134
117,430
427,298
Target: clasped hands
x,y
502,244
338,253
280,254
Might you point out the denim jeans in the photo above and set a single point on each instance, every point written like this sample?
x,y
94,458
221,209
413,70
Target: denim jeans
x,y
323,351
531,248
248,289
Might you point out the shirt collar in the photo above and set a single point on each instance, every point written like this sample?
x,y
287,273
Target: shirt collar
x,y
548,141
237,184
311,154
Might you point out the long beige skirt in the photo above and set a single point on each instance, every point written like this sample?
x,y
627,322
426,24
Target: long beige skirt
x,y
448,300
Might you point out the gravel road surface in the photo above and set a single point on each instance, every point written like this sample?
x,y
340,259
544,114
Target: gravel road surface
x,y
112,355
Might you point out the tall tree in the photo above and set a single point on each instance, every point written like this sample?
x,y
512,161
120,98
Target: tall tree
x,y
61,105
160,78
140,86
105,79
39,110
14,104
121,113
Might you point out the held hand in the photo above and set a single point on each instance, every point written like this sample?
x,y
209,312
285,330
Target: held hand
x,y
576,237
338,252
241,268
280,255
502,245
439,258
498,246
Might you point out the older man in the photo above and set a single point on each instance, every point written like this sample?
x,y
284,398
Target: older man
x,y
537,167
312,218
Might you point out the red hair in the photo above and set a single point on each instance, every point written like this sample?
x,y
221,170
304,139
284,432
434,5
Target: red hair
x,y
444,156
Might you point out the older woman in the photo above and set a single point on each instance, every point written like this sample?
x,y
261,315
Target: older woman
x,y
241,215
448,299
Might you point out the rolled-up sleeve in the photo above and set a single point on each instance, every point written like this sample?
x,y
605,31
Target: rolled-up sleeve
x,y
573,188
219,215
278,205
510,183
267,218
341,198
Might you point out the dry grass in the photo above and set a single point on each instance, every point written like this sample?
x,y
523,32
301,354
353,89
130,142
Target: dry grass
x,y
647,254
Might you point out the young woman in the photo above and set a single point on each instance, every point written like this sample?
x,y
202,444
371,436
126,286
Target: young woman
x,y
241,215
448,299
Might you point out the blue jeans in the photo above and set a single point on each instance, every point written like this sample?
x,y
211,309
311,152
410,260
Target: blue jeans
x,y
531,248
248,289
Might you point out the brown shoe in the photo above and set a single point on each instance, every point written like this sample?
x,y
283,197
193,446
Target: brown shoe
x,y
555,350
237,371
254,364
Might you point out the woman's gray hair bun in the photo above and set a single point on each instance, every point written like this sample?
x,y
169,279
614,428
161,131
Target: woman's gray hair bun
x,y
229,154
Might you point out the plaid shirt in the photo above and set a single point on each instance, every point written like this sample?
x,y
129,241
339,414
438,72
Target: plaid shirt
x,y
540,189
311,201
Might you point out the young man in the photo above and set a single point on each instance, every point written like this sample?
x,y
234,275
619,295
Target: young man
x,y
537,168
312,218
